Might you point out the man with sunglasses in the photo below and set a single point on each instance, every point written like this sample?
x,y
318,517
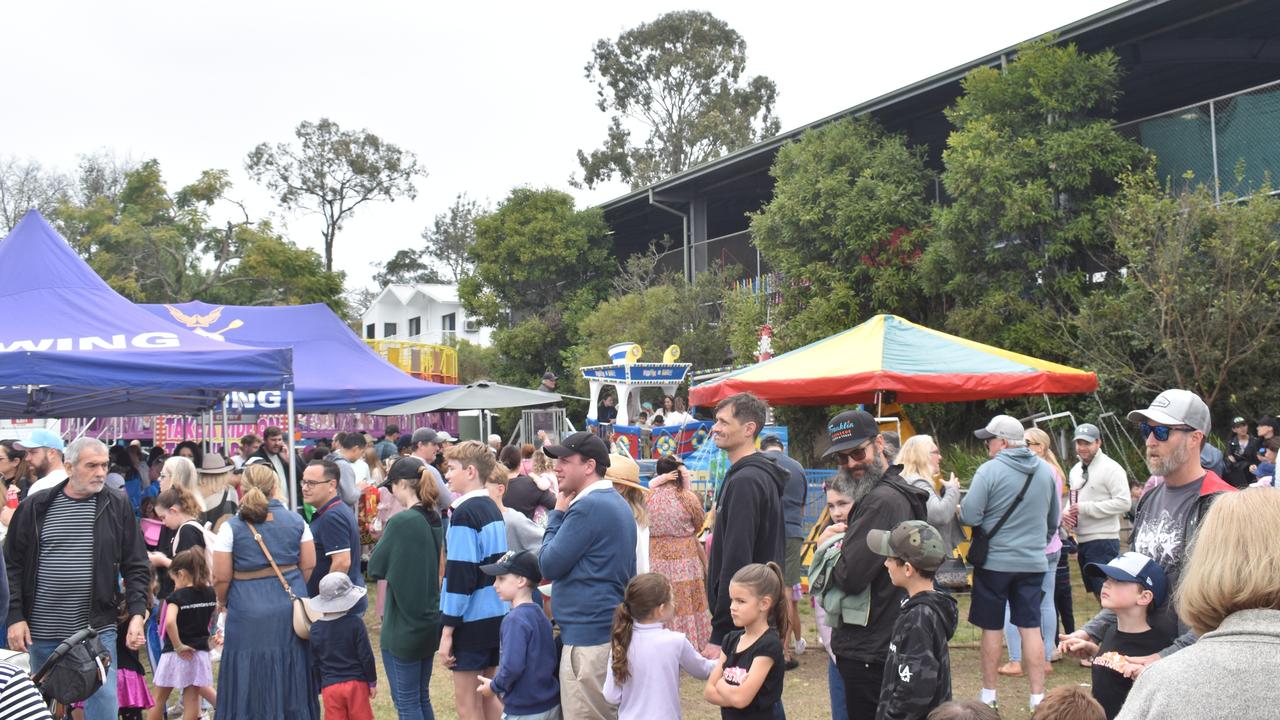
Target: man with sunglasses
x,y
882,500
1174,429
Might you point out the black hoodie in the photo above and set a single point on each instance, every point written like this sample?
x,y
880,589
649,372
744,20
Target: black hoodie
x,y
749,529
890,502
917,673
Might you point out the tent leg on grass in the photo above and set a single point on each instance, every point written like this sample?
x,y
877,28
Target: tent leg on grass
x,y
293,486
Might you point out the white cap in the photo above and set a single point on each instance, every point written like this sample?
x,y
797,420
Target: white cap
x,y
1176,407
1003,427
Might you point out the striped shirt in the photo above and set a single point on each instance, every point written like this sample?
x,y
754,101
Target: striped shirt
x,y
19,699
468,603
64,570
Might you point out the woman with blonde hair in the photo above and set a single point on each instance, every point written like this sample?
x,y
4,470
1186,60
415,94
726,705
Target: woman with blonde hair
x,y
180,470
266,667
624,473
921,462
1038,442
1229,594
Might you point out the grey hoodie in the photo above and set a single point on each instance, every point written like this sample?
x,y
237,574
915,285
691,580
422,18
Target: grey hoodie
x,y
1225,675
1019,546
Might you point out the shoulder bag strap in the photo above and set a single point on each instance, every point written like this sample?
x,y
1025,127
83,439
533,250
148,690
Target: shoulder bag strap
x,y
283,583
1016,502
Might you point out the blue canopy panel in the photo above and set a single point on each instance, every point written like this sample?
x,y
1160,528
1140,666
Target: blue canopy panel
x,y
70,346
334,371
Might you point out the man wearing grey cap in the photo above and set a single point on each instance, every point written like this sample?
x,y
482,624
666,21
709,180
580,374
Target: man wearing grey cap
x,y
1013,497
1100,496
1173,428
425,446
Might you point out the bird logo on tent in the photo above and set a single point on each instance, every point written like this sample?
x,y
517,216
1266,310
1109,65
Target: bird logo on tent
x,y
199,323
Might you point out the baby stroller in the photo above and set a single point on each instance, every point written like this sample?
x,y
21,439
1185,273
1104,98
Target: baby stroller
x,y
75,671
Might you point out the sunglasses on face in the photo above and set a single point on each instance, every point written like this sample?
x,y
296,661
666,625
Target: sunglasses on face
x,y
1160,431
857,454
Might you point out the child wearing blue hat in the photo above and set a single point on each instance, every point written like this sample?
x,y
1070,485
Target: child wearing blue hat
x,y
1133,585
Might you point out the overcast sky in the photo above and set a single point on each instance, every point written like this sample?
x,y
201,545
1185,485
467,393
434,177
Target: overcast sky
x,y
489,95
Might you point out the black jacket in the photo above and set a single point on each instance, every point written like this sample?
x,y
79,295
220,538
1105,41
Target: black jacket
x,y
118,551
749,528
890,502
1238,473
917,673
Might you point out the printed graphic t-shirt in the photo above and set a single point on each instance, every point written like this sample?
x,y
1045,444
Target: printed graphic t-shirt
x,y
1110,688
737,663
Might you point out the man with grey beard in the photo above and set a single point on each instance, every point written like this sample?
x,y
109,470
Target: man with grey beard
x,y
1174,429
881,500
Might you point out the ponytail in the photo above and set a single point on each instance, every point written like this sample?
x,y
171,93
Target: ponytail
x,y
195,564
644,594
767,581
261,482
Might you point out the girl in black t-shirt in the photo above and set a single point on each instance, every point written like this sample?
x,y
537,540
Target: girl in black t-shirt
x,y
747,682
185,661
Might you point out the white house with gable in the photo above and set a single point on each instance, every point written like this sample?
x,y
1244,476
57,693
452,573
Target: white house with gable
x,y
423,312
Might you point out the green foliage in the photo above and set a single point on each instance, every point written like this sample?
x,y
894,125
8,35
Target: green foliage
x,y
539,266
444,257
332,172
676,312
406,266
1029,170
476,362
744,313
1199,301
679,79
157,247
843,228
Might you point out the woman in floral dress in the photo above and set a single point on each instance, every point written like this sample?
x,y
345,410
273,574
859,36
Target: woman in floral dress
x,y
675,518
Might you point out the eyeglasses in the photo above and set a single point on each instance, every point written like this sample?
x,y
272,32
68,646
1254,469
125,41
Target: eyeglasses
x,y
1033,442
857,454
313,483
1160,431
935,451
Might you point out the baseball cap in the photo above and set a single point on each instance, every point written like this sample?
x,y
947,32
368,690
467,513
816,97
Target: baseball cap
x,y
444,437
914,541
404,442
1089,432
1176,407
850,429
549,375
523,563
1004,427
1135,568
403,469
581,443
337,595
424,435
42,438
1238,421
1269,422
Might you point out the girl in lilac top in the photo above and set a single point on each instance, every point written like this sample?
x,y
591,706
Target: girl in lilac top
x,y
645,659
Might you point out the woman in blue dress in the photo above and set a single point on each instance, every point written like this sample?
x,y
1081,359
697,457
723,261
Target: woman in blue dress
x,y
266,668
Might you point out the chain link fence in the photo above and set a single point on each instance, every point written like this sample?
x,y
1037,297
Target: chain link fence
x,y
1231,143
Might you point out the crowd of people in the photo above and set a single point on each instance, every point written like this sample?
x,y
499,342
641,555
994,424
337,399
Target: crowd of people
x,y
551,582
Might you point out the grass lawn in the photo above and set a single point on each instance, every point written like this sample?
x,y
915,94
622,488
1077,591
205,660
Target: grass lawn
x,y
805,694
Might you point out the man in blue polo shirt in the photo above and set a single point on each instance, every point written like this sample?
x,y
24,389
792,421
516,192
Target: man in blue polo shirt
x,y
337,536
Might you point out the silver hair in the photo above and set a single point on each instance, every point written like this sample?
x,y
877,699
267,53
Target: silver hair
x,y
81,444
1016,443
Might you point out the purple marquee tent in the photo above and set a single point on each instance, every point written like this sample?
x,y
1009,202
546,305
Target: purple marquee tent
x,y
70,346
333,370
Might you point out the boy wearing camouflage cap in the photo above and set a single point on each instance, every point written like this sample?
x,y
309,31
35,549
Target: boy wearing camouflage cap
x,y
917,673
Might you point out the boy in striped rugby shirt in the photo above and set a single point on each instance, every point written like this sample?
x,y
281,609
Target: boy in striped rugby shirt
x,y
470,608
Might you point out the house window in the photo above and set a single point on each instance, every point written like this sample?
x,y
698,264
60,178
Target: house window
x,y
415,326
369,331
388,330
449,326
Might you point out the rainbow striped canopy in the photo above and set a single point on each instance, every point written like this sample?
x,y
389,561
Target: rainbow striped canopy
x,y
888,353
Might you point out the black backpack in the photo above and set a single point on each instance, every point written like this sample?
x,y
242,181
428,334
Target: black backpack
x,y
216,515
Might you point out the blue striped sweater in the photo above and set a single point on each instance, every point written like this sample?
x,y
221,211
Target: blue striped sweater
x,y
468,603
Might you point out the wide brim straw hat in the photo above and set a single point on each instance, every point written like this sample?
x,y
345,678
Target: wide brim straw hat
x,y
623,470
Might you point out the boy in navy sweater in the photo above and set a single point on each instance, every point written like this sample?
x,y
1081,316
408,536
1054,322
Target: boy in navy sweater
x,y
340,652
589,553
526,679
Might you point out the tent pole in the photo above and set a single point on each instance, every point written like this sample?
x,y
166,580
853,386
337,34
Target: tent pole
x,y
293,490
226,442
1047,403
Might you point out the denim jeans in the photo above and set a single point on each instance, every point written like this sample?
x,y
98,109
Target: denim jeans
x,y
835,688
1096,551
410,686
102,705
1048,617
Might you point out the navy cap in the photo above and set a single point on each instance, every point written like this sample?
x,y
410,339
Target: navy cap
x,y
1135,568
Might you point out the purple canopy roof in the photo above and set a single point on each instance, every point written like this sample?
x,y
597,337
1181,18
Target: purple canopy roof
x,y
70,346
334,371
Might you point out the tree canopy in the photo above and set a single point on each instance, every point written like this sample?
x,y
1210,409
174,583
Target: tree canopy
x,y
678,97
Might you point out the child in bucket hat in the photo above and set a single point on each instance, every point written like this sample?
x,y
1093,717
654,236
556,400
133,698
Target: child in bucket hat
x,y
341,651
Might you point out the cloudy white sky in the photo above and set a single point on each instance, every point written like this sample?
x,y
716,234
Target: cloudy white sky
x,y
489,95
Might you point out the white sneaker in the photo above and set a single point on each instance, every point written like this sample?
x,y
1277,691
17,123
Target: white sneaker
x,y
800,645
